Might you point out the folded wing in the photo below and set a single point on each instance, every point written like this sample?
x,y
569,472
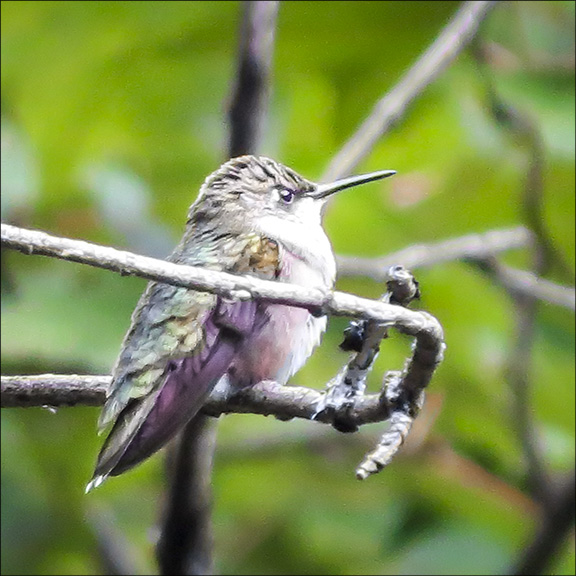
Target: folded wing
x,y
146,423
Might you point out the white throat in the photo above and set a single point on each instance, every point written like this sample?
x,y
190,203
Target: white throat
x,y
302,235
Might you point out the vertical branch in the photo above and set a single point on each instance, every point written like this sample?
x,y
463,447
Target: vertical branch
x,y
557,516
519,366
525,132
551,532
115,554
518,374
185,543
247,110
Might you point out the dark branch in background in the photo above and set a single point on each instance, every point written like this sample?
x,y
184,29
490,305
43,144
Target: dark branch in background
x,y
250,95
186,540
115,553
558,505
388,111
551,533
526,134
518,374
526,288
185,544
522,127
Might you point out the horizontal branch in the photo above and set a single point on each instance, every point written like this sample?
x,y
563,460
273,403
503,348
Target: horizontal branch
x,y
266,398
53,390
450,42
476,248
471,246
526,283
231,286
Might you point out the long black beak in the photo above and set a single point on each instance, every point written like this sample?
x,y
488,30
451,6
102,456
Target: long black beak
x,y
323,190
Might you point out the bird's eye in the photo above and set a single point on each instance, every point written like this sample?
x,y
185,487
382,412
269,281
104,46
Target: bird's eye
x,y
286,195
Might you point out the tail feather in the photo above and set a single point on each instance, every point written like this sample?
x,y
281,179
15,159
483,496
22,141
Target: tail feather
x,y
146,423
121,437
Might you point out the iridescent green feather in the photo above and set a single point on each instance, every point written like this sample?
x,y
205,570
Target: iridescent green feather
x,y
168,320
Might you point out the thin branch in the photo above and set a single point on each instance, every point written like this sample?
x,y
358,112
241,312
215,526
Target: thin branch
x,y
477,248
525,131
364,338
551,533
231,286
404,398
518,372
115,552
266,398
186,540
426,255
390,443
388,111
518,375
185,544
53,390
527,284
250,95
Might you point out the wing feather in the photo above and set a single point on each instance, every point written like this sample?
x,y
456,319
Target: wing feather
x,y
180,343
147,423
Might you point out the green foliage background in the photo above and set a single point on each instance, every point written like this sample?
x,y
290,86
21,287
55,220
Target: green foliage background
x,y
112,115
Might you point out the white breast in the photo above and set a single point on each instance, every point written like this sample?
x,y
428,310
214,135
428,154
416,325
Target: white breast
x,y
305,330
288,337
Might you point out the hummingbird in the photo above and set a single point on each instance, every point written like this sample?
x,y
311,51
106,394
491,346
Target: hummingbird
x,y
253,216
